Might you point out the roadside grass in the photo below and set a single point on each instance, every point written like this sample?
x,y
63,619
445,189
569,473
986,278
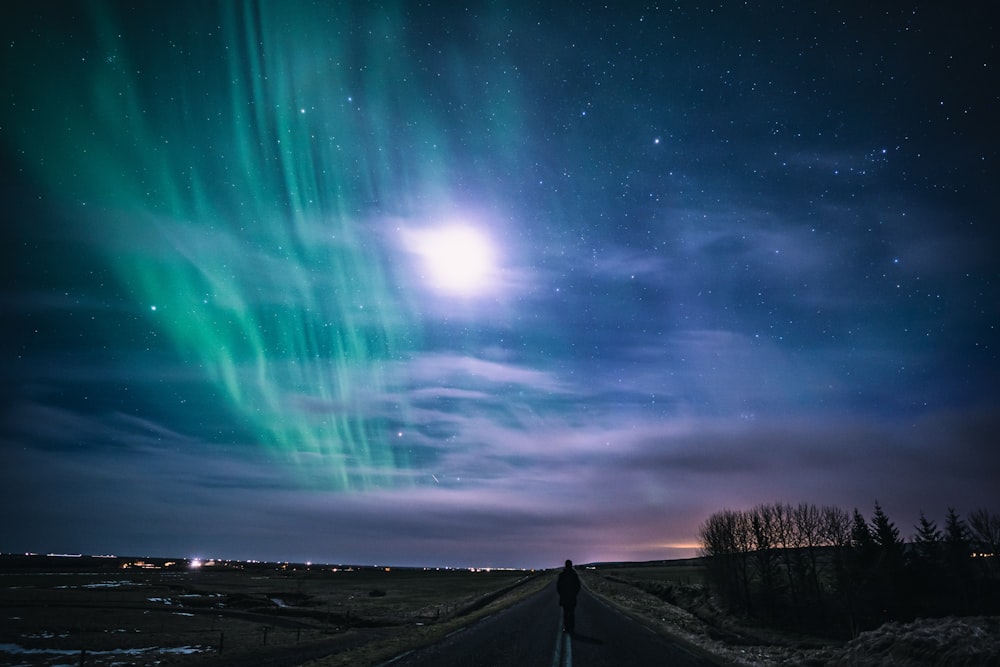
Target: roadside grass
x,y
615,588
677,605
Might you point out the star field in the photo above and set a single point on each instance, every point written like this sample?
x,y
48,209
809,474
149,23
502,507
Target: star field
x,y
498,284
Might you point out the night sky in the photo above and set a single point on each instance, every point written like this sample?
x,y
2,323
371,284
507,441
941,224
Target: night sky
x,y
425,284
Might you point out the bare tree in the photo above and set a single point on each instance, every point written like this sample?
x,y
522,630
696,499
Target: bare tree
x,y
788,542
718,540
765,556
809,529
836,527
985,530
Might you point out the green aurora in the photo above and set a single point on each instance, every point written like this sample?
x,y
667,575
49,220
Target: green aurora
x,y
268,144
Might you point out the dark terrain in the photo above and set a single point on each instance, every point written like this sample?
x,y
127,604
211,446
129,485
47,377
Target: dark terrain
x,y
113,611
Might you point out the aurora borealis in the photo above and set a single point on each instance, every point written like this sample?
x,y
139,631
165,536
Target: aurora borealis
x,y
499,284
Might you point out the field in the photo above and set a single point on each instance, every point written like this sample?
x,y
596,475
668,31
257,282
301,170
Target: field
x,y
690,571
122,614
104,612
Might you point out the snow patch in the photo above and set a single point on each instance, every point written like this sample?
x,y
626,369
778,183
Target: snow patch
x,y
17,649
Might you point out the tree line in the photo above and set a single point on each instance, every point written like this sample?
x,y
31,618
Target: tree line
x,y
826,571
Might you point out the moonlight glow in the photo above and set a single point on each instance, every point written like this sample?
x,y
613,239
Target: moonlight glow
x,y
456,259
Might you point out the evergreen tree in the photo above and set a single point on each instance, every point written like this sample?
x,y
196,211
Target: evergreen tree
x,y
957,557
860,563
927,544
956,536
928,536
884,532
926,565
861,535
888,575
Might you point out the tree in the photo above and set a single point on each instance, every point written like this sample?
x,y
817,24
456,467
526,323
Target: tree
x,y
778,561
884,531
888,574
837,534
836,526
928,536
926,565
861,534
765,554
809,529
719,546
985,530
788,543
744,547
957,554
927,544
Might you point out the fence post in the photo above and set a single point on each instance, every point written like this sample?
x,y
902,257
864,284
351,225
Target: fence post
x,y
83,656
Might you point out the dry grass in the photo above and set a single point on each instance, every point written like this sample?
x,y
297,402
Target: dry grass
x,y
222,614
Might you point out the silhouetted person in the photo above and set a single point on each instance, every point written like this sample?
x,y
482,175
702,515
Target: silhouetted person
x,y
568,587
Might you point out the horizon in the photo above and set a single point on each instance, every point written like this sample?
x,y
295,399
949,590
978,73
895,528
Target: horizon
x,y
500,285
198,562
695,553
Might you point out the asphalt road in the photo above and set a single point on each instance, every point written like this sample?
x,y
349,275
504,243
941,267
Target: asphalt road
x,y
529,634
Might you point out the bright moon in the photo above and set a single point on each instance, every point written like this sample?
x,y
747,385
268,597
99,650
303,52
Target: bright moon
x,y
457,259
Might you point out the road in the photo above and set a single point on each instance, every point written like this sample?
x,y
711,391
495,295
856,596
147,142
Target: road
x,y
529,634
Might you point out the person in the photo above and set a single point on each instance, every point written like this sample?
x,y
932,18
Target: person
x,y
568,587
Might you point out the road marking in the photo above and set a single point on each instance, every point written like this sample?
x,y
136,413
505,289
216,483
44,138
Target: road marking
x,y
563,656
398,657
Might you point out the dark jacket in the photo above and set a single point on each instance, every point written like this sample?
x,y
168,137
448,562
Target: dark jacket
x,y
568,586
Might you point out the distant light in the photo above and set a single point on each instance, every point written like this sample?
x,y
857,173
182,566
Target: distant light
x,y
152,307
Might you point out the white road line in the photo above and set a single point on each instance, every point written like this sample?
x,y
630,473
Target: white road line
x,y
557,656
398,657
563,656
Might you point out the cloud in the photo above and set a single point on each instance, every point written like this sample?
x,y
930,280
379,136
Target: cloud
x,y
439,368
559,488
